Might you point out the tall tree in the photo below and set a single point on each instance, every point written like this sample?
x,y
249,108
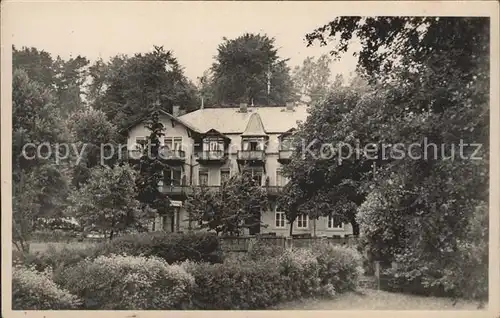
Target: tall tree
x,y
248,69
312,78
65,78
126,87
107,202
151,168
95,138
39,185
431,76
235,206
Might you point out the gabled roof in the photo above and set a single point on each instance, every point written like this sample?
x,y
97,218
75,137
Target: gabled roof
x,y
254,128
231,121
213,132
177,119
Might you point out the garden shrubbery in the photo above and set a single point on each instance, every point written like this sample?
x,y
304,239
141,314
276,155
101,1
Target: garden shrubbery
x,y
247,285
263,249
128,282
172,247
144,279
35,290
257,284
56,258
339,266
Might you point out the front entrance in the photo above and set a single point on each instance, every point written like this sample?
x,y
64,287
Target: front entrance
x,y
168,223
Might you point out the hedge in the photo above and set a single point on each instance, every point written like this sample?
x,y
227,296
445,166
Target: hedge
x,y
34,290
128,283
171,247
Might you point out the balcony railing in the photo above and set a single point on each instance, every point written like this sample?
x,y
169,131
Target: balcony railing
x,y
274,190
285,155
189,189
212,156
251,155
184,189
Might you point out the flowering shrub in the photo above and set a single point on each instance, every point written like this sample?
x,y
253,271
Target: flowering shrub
x,y
339,266
33,290
299,269
247,285
263,249
128,282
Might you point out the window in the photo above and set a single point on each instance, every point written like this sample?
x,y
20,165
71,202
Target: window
x,y
203,177
224,176
286,143
279,218
172,176
213,144
168,142
141,141
256,174
173,143
334,222
254,145
302,221
281,180
177,144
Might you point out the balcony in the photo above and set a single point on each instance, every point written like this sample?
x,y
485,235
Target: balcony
x,y
174,190
172,156
285,155
217,156
274,190
256,156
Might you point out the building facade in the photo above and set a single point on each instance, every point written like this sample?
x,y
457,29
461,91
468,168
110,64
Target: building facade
x,y
208,146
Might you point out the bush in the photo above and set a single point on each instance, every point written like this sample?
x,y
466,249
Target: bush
x,y
339,266
33,290
264,248
56,258
172,247
299,269
248,285
128,283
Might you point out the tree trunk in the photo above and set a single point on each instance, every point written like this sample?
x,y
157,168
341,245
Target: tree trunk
x,y
355,227
291,228
111,235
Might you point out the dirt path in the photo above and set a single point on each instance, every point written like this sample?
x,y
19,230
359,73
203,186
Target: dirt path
x,y
378,300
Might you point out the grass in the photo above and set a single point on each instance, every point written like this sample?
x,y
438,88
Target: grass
x,y
378,300
42,246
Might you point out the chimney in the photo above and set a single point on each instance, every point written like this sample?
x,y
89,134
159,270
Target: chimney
x,y
289,106
175,110
243,107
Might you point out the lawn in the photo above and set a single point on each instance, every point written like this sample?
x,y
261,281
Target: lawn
x,y
42,246
378,300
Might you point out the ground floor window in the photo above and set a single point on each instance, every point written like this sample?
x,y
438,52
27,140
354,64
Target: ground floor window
x,y
334,222
203,177
279,219
172,176
302,221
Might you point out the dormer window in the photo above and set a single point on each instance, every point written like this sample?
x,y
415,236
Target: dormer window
x,y
286,143
213,144
253,144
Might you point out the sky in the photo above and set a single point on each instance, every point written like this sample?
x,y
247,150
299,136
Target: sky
x,y
192,30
